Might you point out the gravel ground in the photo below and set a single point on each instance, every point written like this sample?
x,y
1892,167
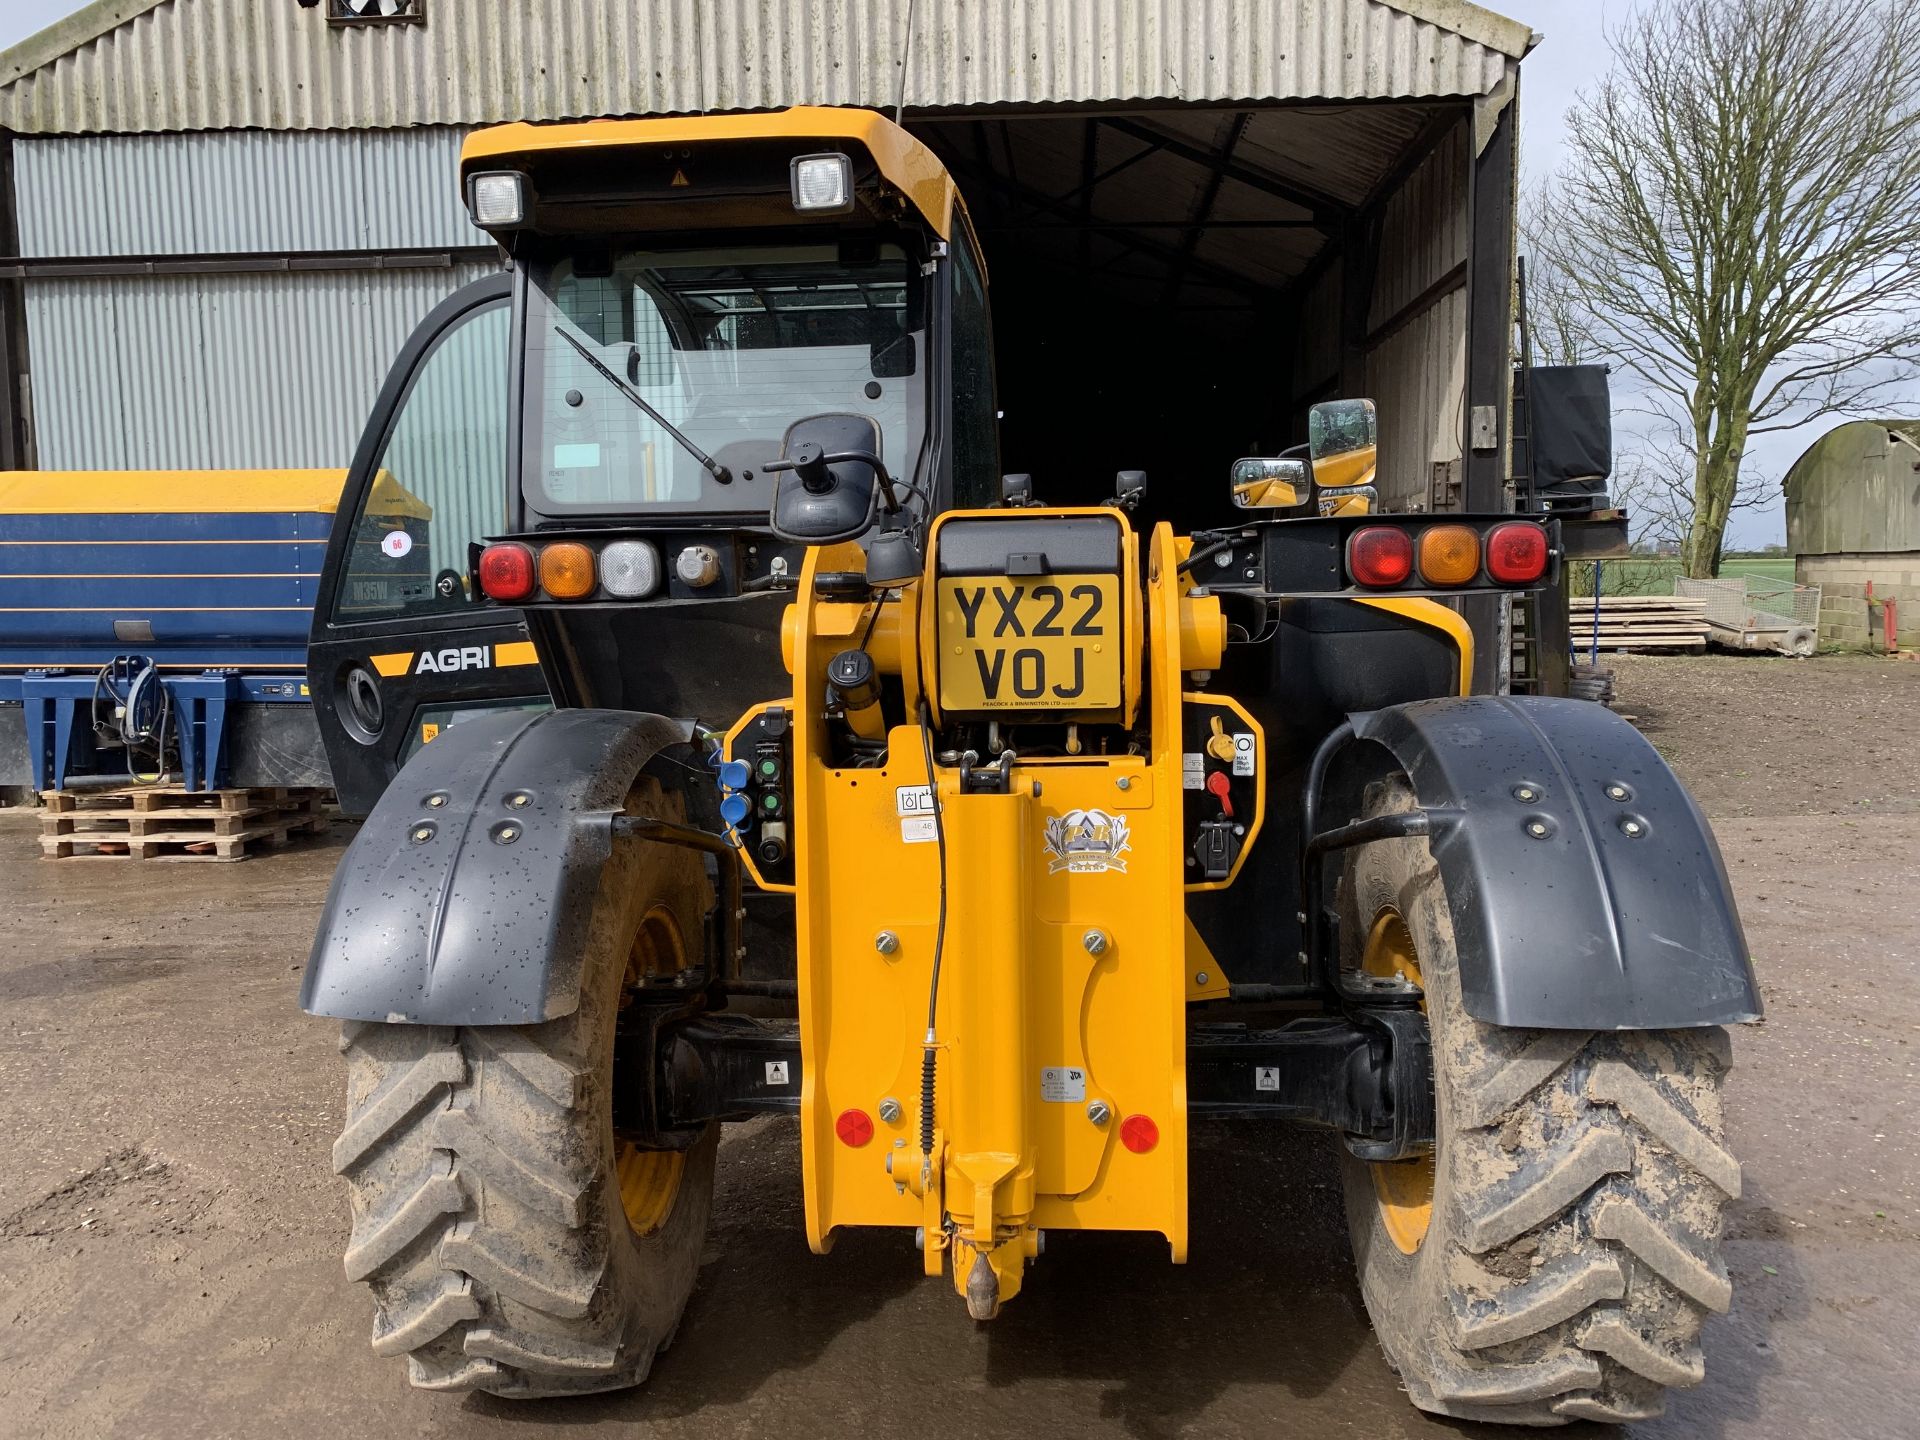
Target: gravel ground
x,y
170,1233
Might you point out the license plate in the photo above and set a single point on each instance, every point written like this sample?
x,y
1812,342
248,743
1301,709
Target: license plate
x,y
1051,642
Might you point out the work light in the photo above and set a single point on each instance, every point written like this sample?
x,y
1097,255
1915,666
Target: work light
x,y
822,184
497,199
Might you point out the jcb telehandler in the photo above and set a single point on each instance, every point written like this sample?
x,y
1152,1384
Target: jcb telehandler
x,y
1047,832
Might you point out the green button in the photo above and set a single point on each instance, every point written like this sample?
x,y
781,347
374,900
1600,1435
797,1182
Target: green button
x,y
771,802
769,767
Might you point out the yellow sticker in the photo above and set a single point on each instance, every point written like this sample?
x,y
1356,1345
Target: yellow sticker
x,y
428,731
397,663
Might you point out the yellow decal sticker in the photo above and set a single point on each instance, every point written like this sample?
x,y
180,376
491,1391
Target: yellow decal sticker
x,y
398,663
429,732
516,652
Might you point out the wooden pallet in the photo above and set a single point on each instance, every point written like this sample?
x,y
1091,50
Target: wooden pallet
x,y
154,823
1641,622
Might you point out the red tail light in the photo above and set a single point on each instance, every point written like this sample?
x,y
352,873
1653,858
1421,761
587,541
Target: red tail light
x,y
1380,555
506,572
1516,552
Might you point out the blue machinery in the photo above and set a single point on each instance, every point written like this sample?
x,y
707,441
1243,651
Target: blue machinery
x,y
162,606
60,709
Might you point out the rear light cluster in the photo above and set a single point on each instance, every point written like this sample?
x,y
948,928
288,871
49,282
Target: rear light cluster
x,y
1387,557
513,571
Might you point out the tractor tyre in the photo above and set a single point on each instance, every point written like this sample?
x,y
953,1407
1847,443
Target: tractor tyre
x,y
1556,1255
512,1242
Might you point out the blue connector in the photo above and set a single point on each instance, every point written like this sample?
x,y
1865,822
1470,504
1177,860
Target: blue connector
x,y
735,808
734,774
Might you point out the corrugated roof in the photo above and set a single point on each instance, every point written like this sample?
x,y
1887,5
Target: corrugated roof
x,y
1856,491
134,66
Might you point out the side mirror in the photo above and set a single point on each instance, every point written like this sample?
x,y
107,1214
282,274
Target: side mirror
x,y
827,472
1343,437
1277,484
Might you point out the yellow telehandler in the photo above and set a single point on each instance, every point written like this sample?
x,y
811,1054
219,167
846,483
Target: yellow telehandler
x,y
994,842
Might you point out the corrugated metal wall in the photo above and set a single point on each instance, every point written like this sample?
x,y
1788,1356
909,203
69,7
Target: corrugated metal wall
x,y
211,372
1856,490
173,68
237,191
1416,369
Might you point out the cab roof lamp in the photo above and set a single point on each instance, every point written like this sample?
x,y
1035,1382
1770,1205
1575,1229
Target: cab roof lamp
x,y
498,199
822,184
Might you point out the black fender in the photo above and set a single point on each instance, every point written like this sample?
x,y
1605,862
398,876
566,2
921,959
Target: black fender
x,y
1585,887
466,897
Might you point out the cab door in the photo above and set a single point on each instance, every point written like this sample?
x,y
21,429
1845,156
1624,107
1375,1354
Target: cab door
x,y
401,646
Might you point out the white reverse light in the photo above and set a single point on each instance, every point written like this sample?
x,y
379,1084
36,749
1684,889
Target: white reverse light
x,y
822,184
630,569
498,199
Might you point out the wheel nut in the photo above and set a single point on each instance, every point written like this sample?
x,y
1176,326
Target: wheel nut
x,y
890,1110
1616,792
1098,1112
1095,941
421,834
1537,829
886,942
436,800
1525,794
1633,829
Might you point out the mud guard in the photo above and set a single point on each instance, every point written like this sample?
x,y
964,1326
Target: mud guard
x,y
1586,890
465,898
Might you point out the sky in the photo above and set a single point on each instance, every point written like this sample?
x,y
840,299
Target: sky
x,y
1572,56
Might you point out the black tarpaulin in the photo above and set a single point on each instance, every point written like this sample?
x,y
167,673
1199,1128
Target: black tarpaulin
x,y
1572,427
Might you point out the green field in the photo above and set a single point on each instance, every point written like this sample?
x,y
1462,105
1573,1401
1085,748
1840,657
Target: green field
x,y
1654,575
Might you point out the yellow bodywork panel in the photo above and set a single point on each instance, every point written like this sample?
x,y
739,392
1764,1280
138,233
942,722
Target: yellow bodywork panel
x,y
1061,1008
1437,616
906,164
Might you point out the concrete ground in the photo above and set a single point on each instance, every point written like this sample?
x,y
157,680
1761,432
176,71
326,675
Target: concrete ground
x,y
170,1233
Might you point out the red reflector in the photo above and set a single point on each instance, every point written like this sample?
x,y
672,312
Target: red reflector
x,y
854,1127
1516,552
506,572
1139,1134
1380,555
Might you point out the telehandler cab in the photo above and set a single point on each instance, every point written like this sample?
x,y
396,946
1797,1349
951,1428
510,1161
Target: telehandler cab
x,y
1031,834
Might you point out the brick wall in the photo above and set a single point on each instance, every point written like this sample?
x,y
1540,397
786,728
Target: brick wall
x,y
1843,581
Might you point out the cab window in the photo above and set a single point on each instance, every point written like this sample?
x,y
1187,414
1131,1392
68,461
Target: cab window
x,y
976,426
440,481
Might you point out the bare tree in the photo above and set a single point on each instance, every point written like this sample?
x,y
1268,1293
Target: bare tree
x,y
1739,222
1557,322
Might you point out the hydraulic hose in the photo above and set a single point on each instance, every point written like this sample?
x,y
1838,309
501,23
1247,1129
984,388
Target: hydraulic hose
x,y
930,1055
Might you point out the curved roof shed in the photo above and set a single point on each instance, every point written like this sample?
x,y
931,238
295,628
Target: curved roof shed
x,y
1856,491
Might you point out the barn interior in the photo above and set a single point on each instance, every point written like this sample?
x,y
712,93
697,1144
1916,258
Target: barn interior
x,y
1173,287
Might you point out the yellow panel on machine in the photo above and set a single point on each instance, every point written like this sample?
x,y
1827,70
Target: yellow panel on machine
x,y
1058,1093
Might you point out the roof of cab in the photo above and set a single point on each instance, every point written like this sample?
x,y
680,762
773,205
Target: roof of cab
x,y
908,165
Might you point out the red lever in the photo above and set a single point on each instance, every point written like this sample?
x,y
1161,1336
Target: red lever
x,y
1221,788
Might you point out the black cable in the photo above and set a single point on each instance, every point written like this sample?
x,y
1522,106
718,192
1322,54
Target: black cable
x,y
929,1054
1205,552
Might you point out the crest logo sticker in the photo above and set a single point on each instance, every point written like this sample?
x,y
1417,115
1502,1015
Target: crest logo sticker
x,y
1086,841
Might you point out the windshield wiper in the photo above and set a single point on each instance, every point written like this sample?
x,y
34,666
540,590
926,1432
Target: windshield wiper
x,y
713,467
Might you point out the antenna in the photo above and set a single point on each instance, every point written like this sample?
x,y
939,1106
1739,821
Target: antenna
x,y
906,53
